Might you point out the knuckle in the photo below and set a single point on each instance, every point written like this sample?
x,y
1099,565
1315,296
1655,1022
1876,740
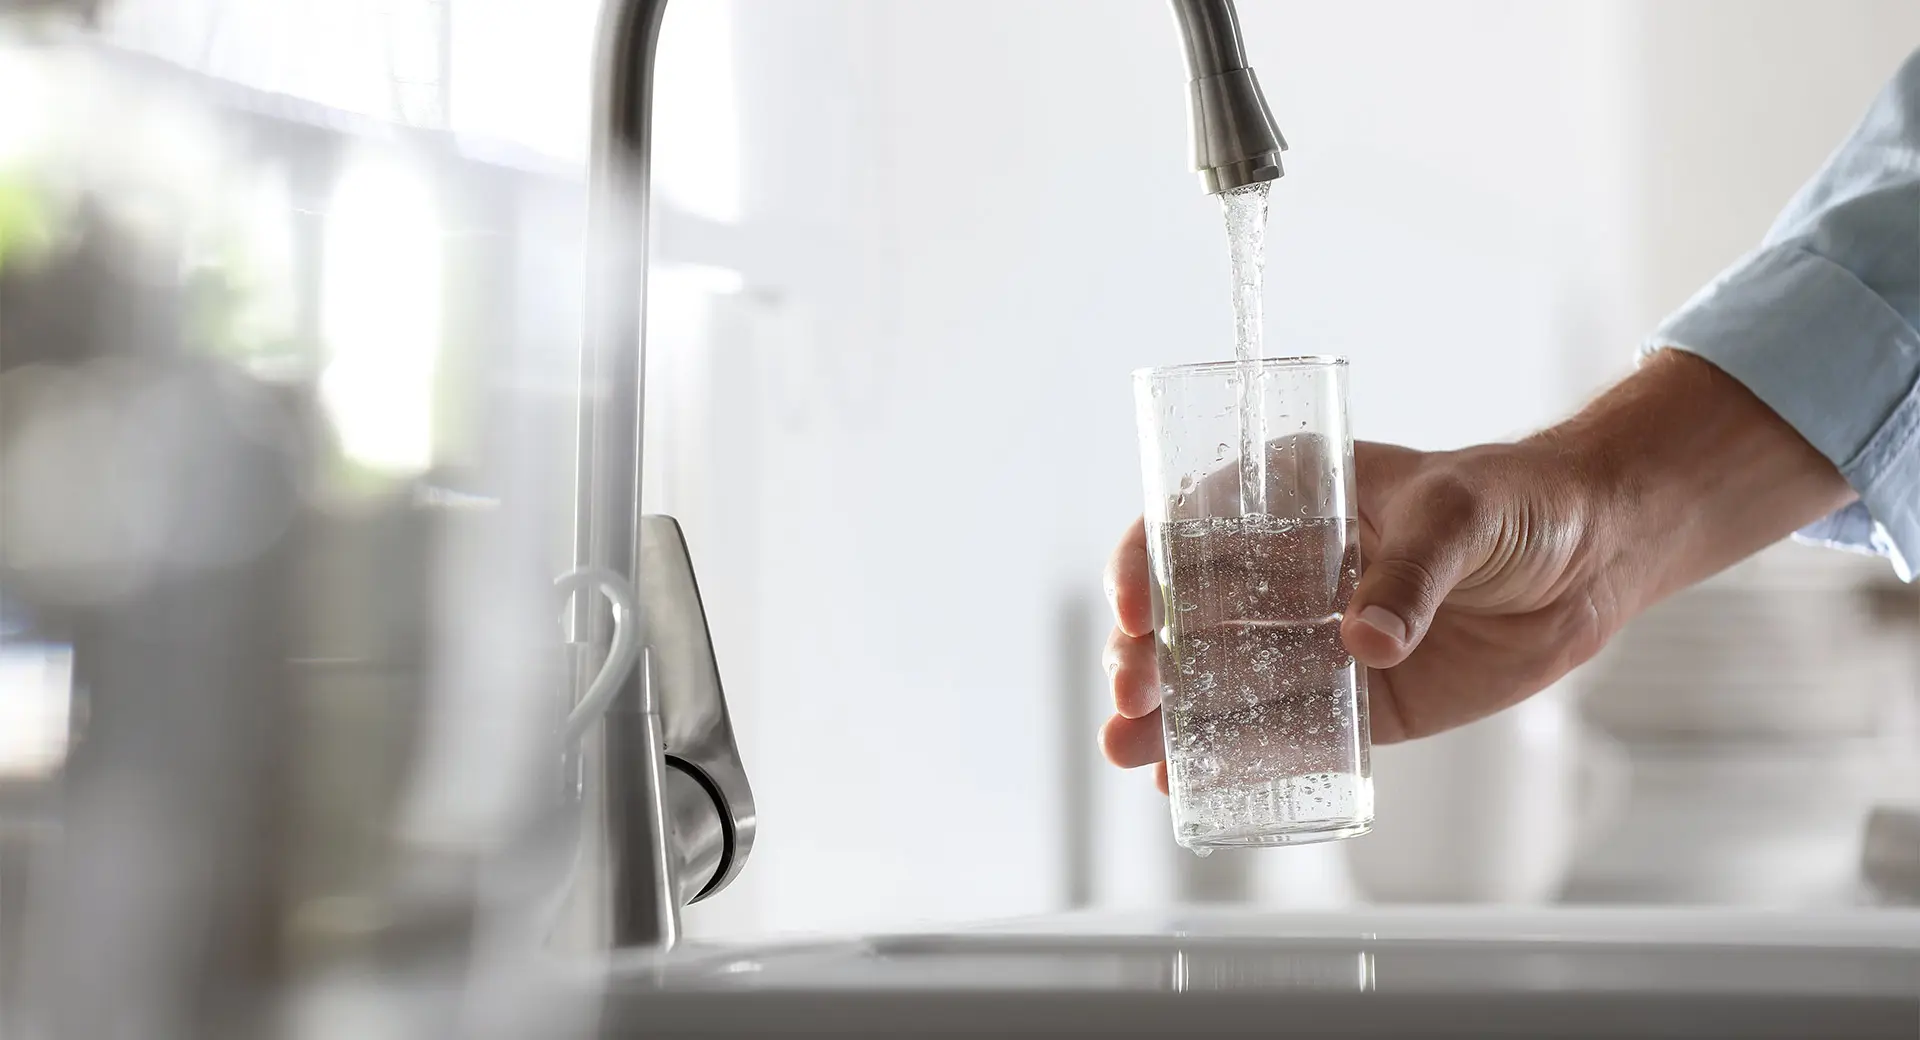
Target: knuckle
x,y
1412,579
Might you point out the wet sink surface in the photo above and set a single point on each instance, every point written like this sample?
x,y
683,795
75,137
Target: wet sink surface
x,y
1400,972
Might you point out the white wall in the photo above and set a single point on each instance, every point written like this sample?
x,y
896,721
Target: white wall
x,y
1744,99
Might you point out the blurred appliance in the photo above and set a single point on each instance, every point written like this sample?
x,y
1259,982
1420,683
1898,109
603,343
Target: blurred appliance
x,y
1764,714
1743,824
1890,855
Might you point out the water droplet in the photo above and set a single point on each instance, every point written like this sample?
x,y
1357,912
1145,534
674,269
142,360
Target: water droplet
x,y
1220,450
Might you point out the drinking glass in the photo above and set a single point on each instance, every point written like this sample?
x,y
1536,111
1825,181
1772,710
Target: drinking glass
x,y
1255,552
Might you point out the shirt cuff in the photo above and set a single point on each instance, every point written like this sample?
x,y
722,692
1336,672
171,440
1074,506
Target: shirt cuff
x,y
1839,364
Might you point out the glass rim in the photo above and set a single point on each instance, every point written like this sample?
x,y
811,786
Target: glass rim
x,y
1263,364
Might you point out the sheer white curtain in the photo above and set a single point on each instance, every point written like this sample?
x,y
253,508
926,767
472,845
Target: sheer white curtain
x,y
381,58
506,70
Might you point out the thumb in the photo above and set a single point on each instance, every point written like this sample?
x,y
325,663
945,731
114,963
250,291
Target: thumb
x,y
1432,549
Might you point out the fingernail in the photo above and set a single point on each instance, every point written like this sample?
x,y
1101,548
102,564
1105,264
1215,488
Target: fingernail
x,y
1384,621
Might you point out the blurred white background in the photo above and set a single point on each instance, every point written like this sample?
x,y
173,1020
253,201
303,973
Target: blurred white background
x,y
907,253
906,446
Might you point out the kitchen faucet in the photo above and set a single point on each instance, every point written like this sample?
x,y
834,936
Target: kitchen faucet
x,y
671,817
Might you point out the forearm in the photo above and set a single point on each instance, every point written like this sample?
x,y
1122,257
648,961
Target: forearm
x,y
1822,323
1687,473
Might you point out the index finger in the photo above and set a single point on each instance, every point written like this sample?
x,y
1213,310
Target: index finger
x,y
1127,579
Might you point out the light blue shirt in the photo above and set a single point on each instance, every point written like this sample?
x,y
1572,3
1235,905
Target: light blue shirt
x,y
1822,322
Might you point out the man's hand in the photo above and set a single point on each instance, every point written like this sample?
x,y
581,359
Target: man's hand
x,y
1493,571
1477,592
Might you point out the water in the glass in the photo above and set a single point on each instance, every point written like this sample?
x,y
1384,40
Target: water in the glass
x,y
1265,712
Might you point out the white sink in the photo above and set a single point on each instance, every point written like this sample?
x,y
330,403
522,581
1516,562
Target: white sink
x,y
1389,972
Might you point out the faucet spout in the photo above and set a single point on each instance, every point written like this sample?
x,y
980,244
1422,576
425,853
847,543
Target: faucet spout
x,y
1228,123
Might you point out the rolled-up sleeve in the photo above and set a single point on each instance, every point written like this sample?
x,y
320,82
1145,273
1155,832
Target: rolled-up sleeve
x,y
1822,322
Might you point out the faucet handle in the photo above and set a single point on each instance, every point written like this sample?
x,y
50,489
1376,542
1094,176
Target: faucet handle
x,y
707,796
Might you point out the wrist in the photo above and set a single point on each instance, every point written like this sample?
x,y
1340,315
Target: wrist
x,y
1682,472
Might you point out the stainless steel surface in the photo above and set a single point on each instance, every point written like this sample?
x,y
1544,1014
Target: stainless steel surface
x,y
699,742
1234,145
1234,140
630,844
676,738
631,840
625,888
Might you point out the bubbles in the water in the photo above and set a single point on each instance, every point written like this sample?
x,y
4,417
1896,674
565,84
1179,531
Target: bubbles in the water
x,y
1261,697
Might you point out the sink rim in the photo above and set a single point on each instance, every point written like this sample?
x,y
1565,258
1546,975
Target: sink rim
x,y
1226,929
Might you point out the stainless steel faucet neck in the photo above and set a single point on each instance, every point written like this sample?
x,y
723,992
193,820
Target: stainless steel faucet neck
x,y
1229,126
634,897
649,826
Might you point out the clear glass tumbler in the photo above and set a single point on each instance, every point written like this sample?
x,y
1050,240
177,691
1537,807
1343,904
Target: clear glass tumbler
x,y
1255,554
